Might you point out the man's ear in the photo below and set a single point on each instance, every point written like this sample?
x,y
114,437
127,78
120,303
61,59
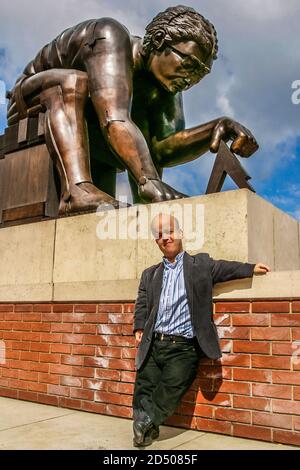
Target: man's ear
x,y
158,39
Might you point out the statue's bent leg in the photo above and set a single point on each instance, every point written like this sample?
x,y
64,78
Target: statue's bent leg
x,y
63,93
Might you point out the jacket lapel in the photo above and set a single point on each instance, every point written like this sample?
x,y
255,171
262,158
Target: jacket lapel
x,y
188,278
157,281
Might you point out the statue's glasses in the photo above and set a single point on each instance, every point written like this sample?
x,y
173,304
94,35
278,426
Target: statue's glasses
x,y
191,63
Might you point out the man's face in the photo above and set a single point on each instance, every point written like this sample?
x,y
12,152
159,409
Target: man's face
x,y
168,236
180,65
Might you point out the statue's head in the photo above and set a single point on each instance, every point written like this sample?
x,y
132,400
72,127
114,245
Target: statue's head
x,y
179,47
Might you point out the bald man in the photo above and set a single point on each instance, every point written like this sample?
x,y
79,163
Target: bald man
x,y
173,325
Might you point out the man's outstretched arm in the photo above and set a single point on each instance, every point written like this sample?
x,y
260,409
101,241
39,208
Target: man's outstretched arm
x,y
223,270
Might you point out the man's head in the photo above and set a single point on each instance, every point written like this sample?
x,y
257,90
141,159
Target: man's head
x,y
179,46
168,235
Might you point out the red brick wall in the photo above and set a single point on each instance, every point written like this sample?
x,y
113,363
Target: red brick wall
x,y
81,356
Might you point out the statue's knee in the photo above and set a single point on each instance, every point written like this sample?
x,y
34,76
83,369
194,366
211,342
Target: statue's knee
x,y
75,82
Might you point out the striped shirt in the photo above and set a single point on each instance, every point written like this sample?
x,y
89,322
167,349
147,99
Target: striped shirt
x,y
173,317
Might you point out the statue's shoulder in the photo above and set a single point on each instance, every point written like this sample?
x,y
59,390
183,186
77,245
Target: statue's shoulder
x,y
110,28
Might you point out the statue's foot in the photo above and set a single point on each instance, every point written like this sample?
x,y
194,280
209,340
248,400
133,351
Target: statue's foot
x,y
86,197
155,190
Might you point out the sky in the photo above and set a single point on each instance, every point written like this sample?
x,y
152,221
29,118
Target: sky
x,y
251,81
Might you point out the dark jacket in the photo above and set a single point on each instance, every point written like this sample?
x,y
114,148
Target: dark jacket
x,y
201,272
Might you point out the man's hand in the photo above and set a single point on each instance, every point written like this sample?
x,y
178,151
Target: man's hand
x,y
138,336
261,268
244,143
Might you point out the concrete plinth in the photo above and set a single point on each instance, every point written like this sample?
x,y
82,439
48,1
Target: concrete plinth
x,y
101,256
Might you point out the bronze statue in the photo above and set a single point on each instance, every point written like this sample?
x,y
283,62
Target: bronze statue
x,y
116,98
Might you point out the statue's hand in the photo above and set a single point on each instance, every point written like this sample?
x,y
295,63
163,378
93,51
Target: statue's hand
x,y
244,143
154,190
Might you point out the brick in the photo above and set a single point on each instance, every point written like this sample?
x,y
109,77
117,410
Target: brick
x,y
73,403
122,318
236,360
82,394
84,350
128,308
89,308
238,388
37,387
19,384
96,318
296,334
233,415
44,367
12,373
61,328
296,395
221,399
60,348
128,353
286,377
283,349
273,391
109,329
28,396
105,351
252,403
232,307
295,306
270,307
29,356
287,437
48,399
73,317
18,326
272,420
222,319
60,369
42,307
87,329
234,332
121,411
39,347
29,375
10,335
53,358
92,384
83,371
291,319
94,407
4,382
296,420
71,381
276,333
226,345
119,387
6,308
52,317
127,330
32,336
72,360
183,421
30,317
20,346
252,432
122,341
23,308
112,375
8,393
63,308
40,326
49,378
72,338
215,372
250,320
126,376
12,316
59,390
287,407
7,325
261,347
113,398
204,411
110,308
249,375
95,340
267,362
220,427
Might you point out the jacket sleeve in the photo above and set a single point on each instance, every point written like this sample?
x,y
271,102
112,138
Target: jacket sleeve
x,y
140,308
223,270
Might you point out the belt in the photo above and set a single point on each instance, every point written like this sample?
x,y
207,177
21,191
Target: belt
x,y
173,338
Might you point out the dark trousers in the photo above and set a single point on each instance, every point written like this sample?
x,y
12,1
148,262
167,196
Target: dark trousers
x,y
166,375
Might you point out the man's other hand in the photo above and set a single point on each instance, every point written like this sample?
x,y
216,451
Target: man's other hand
x,y
261,268
138,336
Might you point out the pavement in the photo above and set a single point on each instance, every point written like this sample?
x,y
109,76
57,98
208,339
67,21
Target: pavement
x,y
31,426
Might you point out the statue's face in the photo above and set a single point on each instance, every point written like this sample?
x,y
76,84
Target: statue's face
x,y
180,65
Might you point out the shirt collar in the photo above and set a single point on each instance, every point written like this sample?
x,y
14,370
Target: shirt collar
x,y
178,258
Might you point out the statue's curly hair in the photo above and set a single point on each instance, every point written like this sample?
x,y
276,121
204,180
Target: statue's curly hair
x,y
182,23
